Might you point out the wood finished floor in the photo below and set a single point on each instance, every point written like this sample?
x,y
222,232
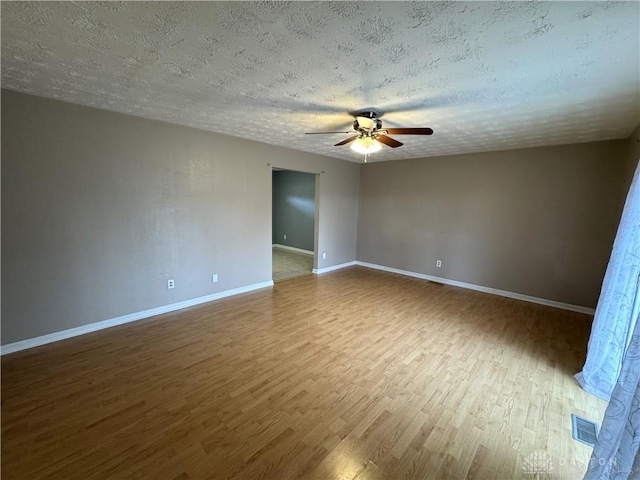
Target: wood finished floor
x,y
287,264
357,374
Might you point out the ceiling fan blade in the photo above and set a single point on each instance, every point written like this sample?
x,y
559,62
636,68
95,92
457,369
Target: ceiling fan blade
x,y
342,126
348,140
324,133
389,141
409,131
435,101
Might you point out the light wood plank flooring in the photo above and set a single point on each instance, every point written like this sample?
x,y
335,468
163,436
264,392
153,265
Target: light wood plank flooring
x,y
356,374
288,264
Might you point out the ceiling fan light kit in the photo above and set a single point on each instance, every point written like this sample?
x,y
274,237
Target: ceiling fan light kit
x,y
368,135
366,145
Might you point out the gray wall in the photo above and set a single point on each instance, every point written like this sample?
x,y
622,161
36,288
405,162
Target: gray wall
x,y
99,209
539,222
294,204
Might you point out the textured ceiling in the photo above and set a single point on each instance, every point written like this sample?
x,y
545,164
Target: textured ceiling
x,y
484,75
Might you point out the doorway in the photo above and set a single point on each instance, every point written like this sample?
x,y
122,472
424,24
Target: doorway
x,y
293,223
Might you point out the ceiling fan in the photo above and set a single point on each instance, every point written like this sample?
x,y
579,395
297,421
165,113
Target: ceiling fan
x,y
368,134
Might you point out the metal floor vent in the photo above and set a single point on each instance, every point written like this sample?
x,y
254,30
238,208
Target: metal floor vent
x,y
584,431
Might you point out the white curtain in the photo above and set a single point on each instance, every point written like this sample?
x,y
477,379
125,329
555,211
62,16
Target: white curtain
x,y
619,303
612,369
616,454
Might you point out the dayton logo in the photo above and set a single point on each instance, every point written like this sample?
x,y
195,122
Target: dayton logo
x,y
537,462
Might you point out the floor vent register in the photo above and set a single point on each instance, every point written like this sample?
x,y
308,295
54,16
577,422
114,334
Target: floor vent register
x,y
584,430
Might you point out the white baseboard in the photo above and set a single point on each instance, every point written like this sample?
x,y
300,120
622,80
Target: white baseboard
x,y
293,249
320,271
480,288
132,317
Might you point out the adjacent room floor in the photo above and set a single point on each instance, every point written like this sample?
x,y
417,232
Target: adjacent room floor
x,y
288,264
357,374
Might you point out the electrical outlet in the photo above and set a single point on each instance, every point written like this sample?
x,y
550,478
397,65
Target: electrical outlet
x,y
438,263
285,236
171,284
214,277
324,255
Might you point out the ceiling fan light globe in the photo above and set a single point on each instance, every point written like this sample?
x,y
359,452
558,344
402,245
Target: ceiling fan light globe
x,y
366,145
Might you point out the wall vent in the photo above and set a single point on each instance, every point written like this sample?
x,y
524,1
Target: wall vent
x,y
584,430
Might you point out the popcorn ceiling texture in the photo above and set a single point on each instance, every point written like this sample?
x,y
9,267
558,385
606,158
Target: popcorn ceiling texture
x,y
484,76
